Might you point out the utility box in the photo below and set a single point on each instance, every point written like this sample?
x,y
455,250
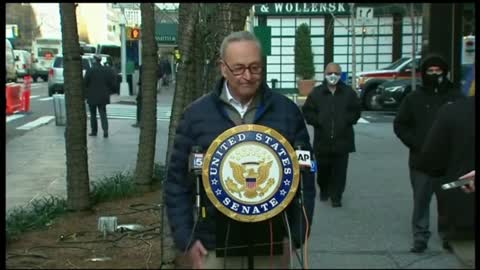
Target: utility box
x,y
59,109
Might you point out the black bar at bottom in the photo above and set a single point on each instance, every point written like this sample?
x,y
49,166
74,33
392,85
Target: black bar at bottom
x,y
250,251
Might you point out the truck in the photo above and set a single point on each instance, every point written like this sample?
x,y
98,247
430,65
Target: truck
x,y
43,52
368,81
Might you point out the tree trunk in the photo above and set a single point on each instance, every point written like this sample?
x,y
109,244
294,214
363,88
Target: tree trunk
x,y
202,28
78,189
187,18
148,114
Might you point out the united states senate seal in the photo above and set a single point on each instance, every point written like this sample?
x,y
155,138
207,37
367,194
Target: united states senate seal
x,y
250,173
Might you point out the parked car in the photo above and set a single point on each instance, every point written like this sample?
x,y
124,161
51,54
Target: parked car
x,y
23,63
106,59
390,94
368,81
10,70
55,73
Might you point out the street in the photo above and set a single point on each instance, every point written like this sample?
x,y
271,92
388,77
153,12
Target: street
x,y
42,112
371,230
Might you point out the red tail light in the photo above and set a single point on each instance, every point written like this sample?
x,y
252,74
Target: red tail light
x,y
50,72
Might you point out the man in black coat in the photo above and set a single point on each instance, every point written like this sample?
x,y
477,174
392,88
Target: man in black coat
x,y
99,84
411,125
332,109
238,98
449,153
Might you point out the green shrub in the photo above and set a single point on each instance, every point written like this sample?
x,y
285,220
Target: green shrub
x,y
40,212
304,67
36,215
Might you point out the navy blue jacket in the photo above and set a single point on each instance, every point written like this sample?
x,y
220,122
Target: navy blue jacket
x,y
202,121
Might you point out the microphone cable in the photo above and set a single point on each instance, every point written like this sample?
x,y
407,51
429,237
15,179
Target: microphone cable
x,y
191,234
307,229
299,259
289,233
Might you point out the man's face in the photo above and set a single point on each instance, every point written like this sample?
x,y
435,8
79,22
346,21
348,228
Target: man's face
x,y
434,70
242,68
332,74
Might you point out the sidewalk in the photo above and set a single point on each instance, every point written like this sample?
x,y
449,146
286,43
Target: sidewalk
x,y
36,164
372,230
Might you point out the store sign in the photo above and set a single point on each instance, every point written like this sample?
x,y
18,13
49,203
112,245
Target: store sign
x,y
166,39
166,33
302,9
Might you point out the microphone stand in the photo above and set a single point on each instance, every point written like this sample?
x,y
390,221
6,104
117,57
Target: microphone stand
x,y
197,196
300,202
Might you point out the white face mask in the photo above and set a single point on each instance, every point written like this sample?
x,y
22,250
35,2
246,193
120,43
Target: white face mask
x,y
332,79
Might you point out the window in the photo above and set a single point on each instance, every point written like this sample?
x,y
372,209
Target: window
x,y
43,52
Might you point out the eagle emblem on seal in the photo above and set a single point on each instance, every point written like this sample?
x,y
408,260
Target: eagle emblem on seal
x,y
247,180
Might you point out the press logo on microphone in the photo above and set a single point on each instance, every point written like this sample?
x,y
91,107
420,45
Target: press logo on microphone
x,y
197,161
304,158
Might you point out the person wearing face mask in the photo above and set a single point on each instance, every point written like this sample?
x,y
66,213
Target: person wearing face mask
x,y
332,108
411,125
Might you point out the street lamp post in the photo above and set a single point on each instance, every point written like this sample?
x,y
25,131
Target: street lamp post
x,y
124,84
364,30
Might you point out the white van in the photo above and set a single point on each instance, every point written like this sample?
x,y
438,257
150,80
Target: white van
x,y
43,52
23,63
10,70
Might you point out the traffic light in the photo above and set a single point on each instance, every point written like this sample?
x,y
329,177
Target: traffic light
x,y
133,33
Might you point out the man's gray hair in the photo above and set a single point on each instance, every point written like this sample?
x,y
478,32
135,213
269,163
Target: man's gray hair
x,y
334,64
235,37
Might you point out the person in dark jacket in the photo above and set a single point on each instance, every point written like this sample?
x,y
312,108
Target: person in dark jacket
x,y
166,70
411,125
240,97
139,97
99,84
449,154
332,108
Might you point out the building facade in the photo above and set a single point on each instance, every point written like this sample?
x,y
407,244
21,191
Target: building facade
x,y
380,38
98,23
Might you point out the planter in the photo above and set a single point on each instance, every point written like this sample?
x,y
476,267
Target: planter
x,y
305,87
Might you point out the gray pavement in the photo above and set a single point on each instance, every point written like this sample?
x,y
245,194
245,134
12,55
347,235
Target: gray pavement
x,y
371,230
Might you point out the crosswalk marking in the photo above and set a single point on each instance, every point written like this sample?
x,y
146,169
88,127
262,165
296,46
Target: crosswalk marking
x,y
119,111
13,117
32,97
45,99
40,121
363,121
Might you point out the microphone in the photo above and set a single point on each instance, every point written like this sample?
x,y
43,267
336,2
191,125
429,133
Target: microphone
x,y
305,158
195,164
195,160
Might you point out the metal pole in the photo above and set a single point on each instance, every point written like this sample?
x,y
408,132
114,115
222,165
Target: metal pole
x,y
124,84
354,70
363,42
414,45
140,52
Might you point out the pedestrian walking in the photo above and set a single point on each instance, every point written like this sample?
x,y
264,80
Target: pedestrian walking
x,y
332,108
449,154
139,98
166,69
411,125
238,98
99,84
